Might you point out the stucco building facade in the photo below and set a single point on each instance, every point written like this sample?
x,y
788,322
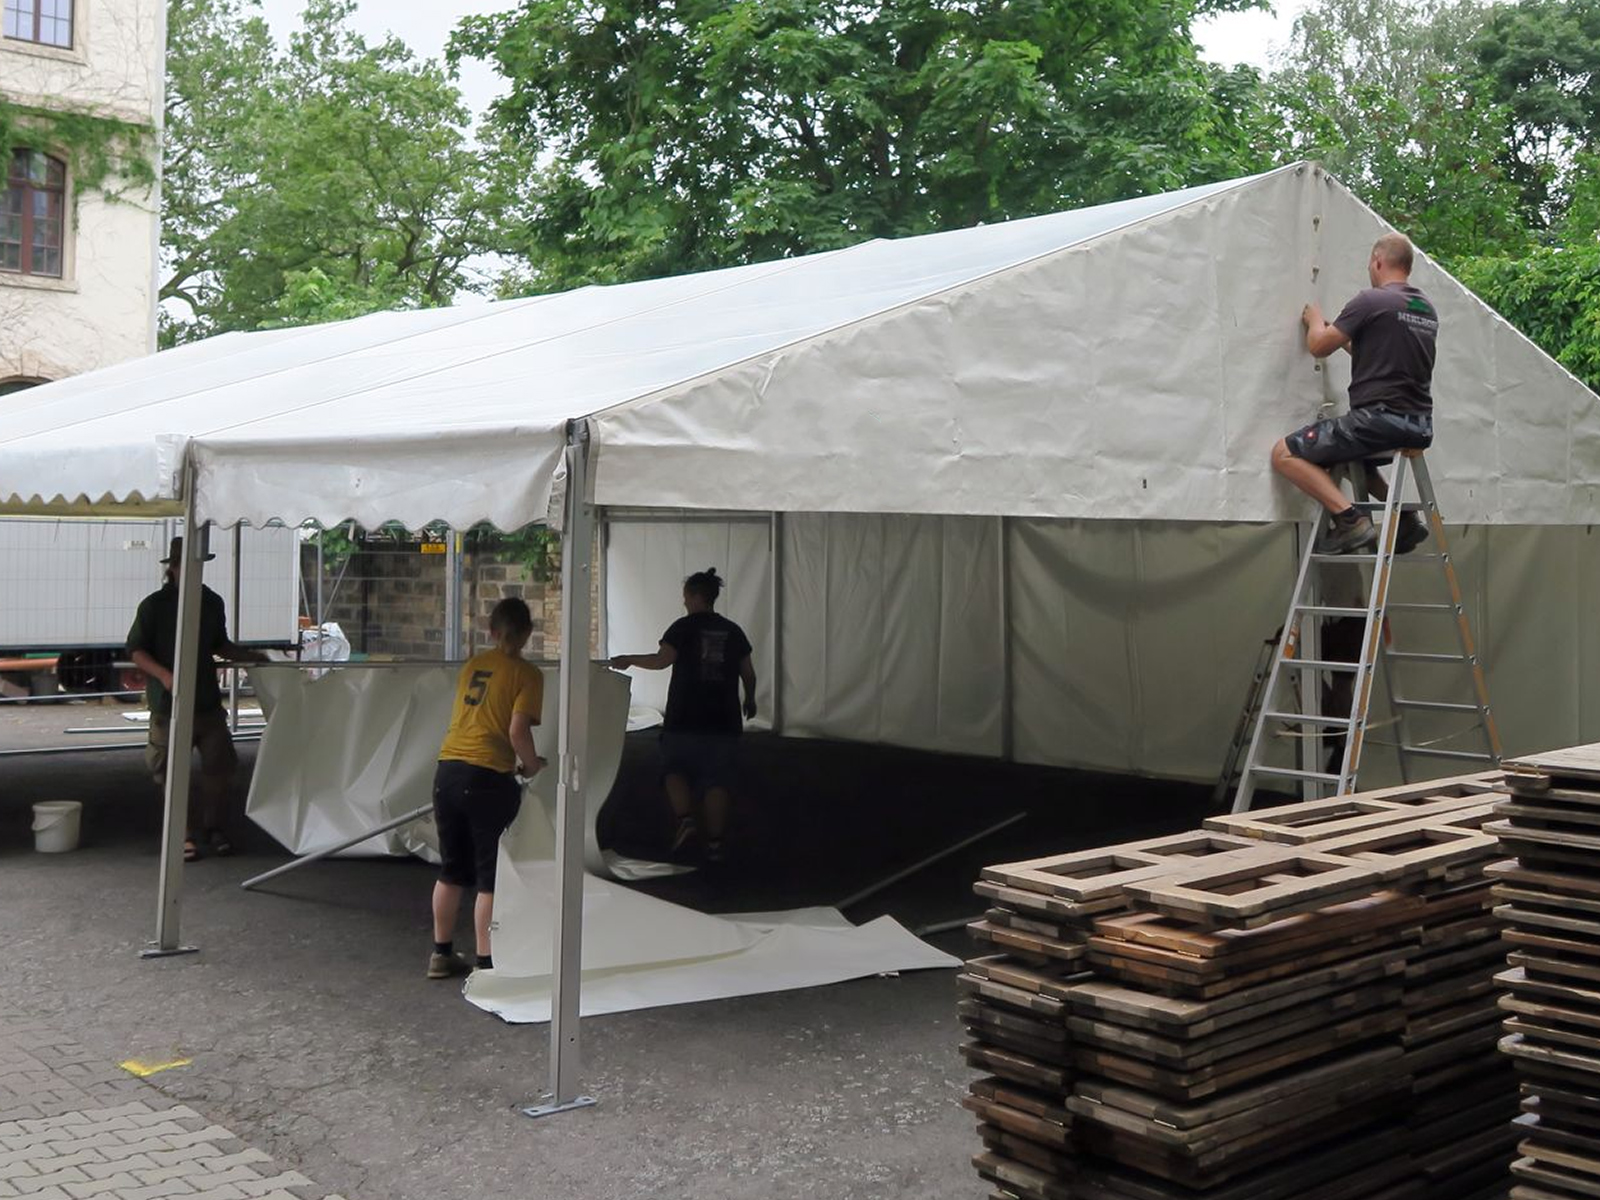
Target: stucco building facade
x,y
77,261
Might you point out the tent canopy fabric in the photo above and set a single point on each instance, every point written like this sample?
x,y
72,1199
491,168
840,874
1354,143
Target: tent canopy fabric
x,y
1132,361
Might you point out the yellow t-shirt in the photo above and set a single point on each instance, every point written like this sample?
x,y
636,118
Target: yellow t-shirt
x,y
491,687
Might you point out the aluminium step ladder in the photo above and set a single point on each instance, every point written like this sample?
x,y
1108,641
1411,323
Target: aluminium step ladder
x,y
1297,663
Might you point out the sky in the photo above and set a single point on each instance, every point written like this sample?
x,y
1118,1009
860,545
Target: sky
x,y
425,26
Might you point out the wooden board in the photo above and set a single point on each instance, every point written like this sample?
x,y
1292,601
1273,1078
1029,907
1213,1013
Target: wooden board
x,y
1176,980
1055,980
1020,941
993,991
1379,910
1197,1083
1200,1018
1189,1052
1264,1103
1556,882
1411,850
1247,890
1577,762
1084,875
1052,907
1019,1123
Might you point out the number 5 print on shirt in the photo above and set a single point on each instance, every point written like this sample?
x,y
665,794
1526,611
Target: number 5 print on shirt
x,y
478,688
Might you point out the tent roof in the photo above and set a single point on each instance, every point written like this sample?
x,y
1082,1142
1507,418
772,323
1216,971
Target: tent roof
x,y
1129,360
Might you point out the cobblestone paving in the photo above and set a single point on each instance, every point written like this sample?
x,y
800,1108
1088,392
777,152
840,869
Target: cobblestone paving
x,y
73,1126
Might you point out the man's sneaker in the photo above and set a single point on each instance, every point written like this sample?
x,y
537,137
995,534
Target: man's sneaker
x,y
1349,535
443,966
1413,532
685,833
716,852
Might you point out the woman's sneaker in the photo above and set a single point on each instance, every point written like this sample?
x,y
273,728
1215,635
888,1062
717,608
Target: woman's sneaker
x,y
684,834
443,966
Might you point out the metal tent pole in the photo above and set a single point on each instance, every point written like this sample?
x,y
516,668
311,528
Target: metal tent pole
x,y
1008,743
180,731
775,534
452,596
238,625
572,754
305,860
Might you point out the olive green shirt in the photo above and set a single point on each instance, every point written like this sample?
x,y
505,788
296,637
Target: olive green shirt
x,y
155,631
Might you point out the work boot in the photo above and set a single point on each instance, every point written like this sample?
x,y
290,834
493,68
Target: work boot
x,y
443,966
1349,532
1413,532
684,834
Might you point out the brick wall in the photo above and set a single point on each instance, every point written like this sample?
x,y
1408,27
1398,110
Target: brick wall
x,y
390,601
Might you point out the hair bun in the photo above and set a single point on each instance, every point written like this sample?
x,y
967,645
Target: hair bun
x,y
711,571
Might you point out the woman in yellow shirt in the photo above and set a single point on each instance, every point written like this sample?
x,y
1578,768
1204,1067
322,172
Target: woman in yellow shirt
x,y
476,795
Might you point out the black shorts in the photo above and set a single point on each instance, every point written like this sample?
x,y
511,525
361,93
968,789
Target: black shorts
x,y
705,759
1368,434
472,807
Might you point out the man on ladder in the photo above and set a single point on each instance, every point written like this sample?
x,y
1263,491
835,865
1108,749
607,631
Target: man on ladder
x,y
1390,330
1336,635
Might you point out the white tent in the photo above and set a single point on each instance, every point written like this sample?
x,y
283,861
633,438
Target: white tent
x,y
905,399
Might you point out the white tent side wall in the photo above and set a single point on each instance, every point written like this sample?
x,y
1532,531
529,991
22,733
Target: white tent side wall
x,y
1131,643
647,560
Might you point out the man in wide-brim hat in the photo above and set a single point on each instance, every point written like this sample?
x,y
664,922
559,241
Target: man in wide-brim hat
x,y
152,644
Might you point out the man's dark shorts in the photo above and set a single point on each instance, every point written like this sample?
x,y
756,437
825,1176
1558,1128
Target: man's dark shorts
x,y
472,806
1370,433
707,760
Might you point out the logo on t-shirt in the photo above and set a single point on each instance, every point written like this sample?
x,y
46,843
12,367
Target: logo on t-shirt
x,y
713,655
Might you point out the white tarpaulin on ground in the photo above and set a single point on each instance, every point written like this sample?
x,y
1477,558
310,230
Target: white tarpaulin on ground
x,y
1133,360
640,952
346,752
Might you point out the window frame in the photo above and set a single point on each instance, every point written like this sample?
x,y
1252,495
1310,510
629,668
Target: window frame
x,y
25,267
37,8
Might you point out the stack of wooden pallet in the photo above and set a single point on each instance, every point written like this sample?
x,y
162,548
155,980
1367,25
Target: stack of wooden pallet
x,y
1550,903
1273,1007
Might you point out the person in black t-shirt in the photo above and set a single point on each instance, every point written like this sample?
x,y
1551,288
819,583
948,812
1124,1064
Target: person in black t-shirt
x,y
1390,330
152,644
710,657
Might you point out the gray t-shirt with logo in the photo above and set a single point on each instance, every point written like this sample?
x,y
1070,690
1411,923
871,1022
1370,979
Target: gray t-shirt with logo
x,y
1392,331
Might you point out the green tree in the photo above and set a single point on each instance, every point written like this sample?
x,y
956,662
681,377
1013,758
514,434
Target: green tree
x,y
641,138
1384,93
1540,60
327,180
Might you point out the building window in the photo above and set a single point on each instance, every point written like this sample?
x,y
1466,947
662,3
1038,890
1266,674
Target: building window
x,y
48,22
32,219
7,386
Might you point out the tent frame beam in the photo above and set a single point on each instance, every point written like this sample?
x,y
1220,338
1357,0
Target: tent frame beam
x,y
180,733
572,764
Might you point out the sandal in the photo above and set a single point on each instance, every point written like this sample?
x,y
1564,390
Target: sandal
x,y
191,851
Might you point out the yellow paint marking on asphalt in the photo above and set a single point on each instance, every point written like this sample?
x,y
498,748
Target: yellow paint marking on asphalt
x,y
143,1069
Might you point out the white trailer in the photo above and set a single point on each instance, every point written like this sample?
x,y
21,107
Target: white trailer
x,y
73,584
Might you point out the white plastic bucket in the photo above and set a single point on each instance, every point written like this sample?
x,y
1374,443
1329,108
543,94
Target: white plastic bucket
x,y
55,826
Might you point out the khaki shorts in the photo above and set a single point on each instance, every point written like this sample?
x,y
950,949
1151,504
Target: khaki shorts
x,y
211,738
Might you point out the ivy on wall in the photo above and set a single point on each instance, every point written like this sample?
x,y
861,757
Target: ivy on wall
x,y
105,154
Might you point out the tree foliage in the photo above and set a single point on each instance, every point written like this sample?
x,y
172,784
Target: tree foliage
x,y
656,138
1379,92
1470,125
325,180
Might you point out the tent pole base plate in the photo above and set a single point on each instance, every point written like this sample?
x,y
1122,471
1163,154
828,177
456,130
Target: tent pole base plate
x,y
155,951
549,1107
